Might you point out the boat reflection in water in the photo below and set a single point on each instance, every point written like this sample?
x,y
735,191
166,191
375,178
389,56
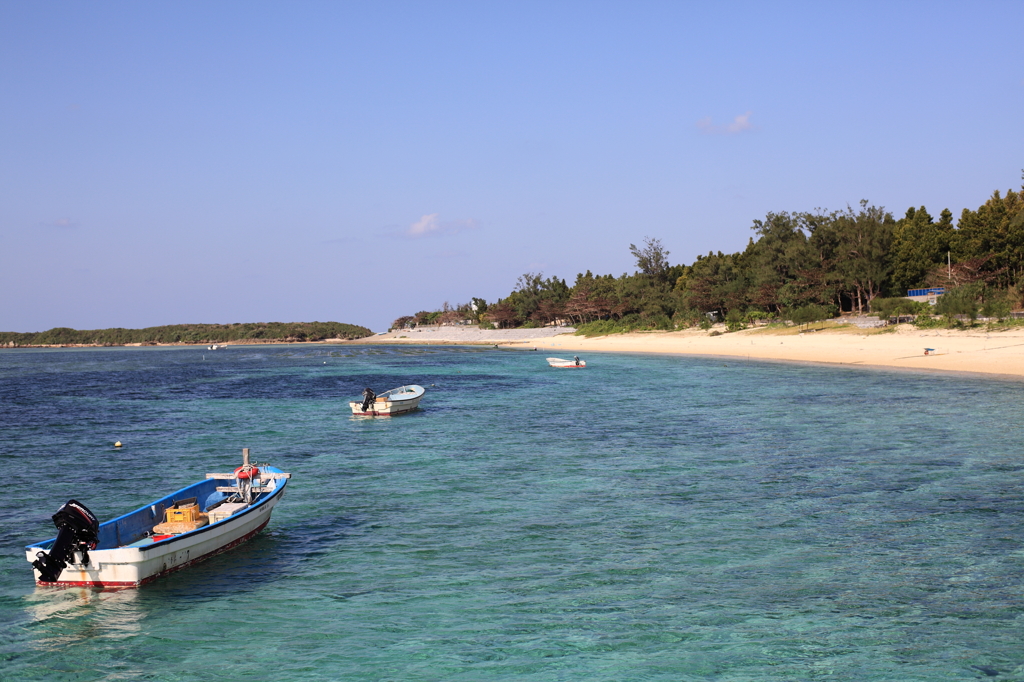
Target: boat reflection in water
x,y
78,614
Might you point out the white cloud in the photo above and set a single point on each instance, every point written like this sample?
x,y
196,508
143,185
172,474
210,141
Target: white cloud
x,y
430,224
738,125
425,225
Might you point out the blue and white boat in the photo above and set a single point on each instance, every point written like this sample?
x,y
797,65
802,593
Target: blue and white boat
x,y
145,544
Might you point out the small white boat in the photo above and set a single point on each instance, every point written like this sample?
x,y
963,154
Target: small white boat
x,y
575,363
390,403
214,347
175,532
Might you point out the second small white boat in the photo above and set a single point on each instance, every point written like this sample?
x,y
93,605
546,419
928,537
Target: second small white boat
x,y
575,363
389,403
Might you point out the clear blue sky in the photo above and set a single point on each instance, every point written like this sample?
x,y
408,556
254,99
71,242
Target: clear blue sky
x,y
173,162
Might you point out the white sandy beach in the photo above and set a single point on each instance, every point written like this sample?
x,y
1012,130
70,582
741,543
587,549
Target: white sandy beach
x,y
991,353
466,334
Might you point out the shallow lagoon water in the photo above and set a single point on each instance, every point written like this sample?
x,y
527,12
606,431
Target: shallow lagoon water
x,y
648,518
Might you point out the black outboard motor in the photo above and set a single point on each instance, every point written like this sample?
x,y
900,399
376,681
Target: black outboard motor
x,y
77,530
368,397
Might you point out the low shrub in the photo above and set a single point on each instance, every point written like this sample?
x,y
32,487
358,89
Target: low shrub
x,y
684,319
734,321
755,316
897,307
928,322
624,325
811,313
598,328
960,301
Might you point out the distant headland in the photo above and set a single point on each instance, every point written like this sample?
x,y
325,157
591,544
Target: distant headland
x,y
188,334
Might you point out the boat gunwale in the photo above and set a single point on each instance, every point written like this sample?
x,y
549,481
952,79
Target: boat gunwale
x,y
416,394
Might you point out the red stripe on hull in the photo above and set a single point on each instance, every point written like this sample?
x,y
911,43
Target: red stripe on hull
x,y
192,562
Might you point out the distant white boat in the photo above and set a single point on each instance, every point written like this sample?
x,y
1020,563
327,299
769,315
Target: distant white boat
x,y
214,347
575,363
390,403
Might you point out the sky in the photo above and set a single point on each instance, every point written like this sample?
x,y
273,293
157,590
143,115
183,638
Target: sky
x,y
219,162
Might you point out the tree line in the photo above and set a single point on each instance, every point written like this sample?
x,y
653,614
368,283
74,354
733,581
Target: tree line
x,y
189,333
819,263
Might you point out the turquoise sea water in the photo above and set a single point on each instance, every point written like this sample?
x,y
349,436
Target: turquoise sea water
x,y
648,518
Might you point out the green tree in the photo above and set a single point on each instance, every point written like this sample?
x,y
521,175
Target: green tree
x,y
481,305
864,240
716,282
502,314
995,232
919,245
652,259
781,264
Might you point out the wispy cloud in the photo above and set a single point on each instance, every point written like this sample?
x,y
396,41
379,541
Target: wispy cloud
x,y
428,224
431,225
59,223
739,124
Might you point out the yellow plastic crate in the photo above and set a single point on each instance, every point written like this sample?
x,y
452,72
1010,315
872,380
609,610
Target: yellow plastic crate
x,y
182,512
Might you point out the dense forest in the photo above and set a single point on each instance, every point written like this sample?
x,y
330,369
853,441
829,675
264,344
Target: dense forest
x,y
189,333
796,266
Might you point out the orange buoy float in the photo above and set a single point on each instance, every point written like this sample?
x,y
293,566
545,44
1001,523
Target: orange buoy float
x,y
246,472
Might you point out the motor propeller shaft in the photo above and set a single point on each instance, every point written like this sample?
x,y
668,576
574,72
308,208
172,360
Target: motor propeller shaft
x,y
77,530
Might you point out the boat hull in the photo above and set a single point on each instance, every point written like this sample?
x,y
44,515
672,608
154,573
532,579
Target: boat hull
x,y
142,562
389,409
566,364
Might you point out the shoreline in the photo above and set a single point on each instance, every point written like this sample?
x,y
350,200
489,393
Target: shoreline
x,y
427,336
250,342
977,352
992,354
